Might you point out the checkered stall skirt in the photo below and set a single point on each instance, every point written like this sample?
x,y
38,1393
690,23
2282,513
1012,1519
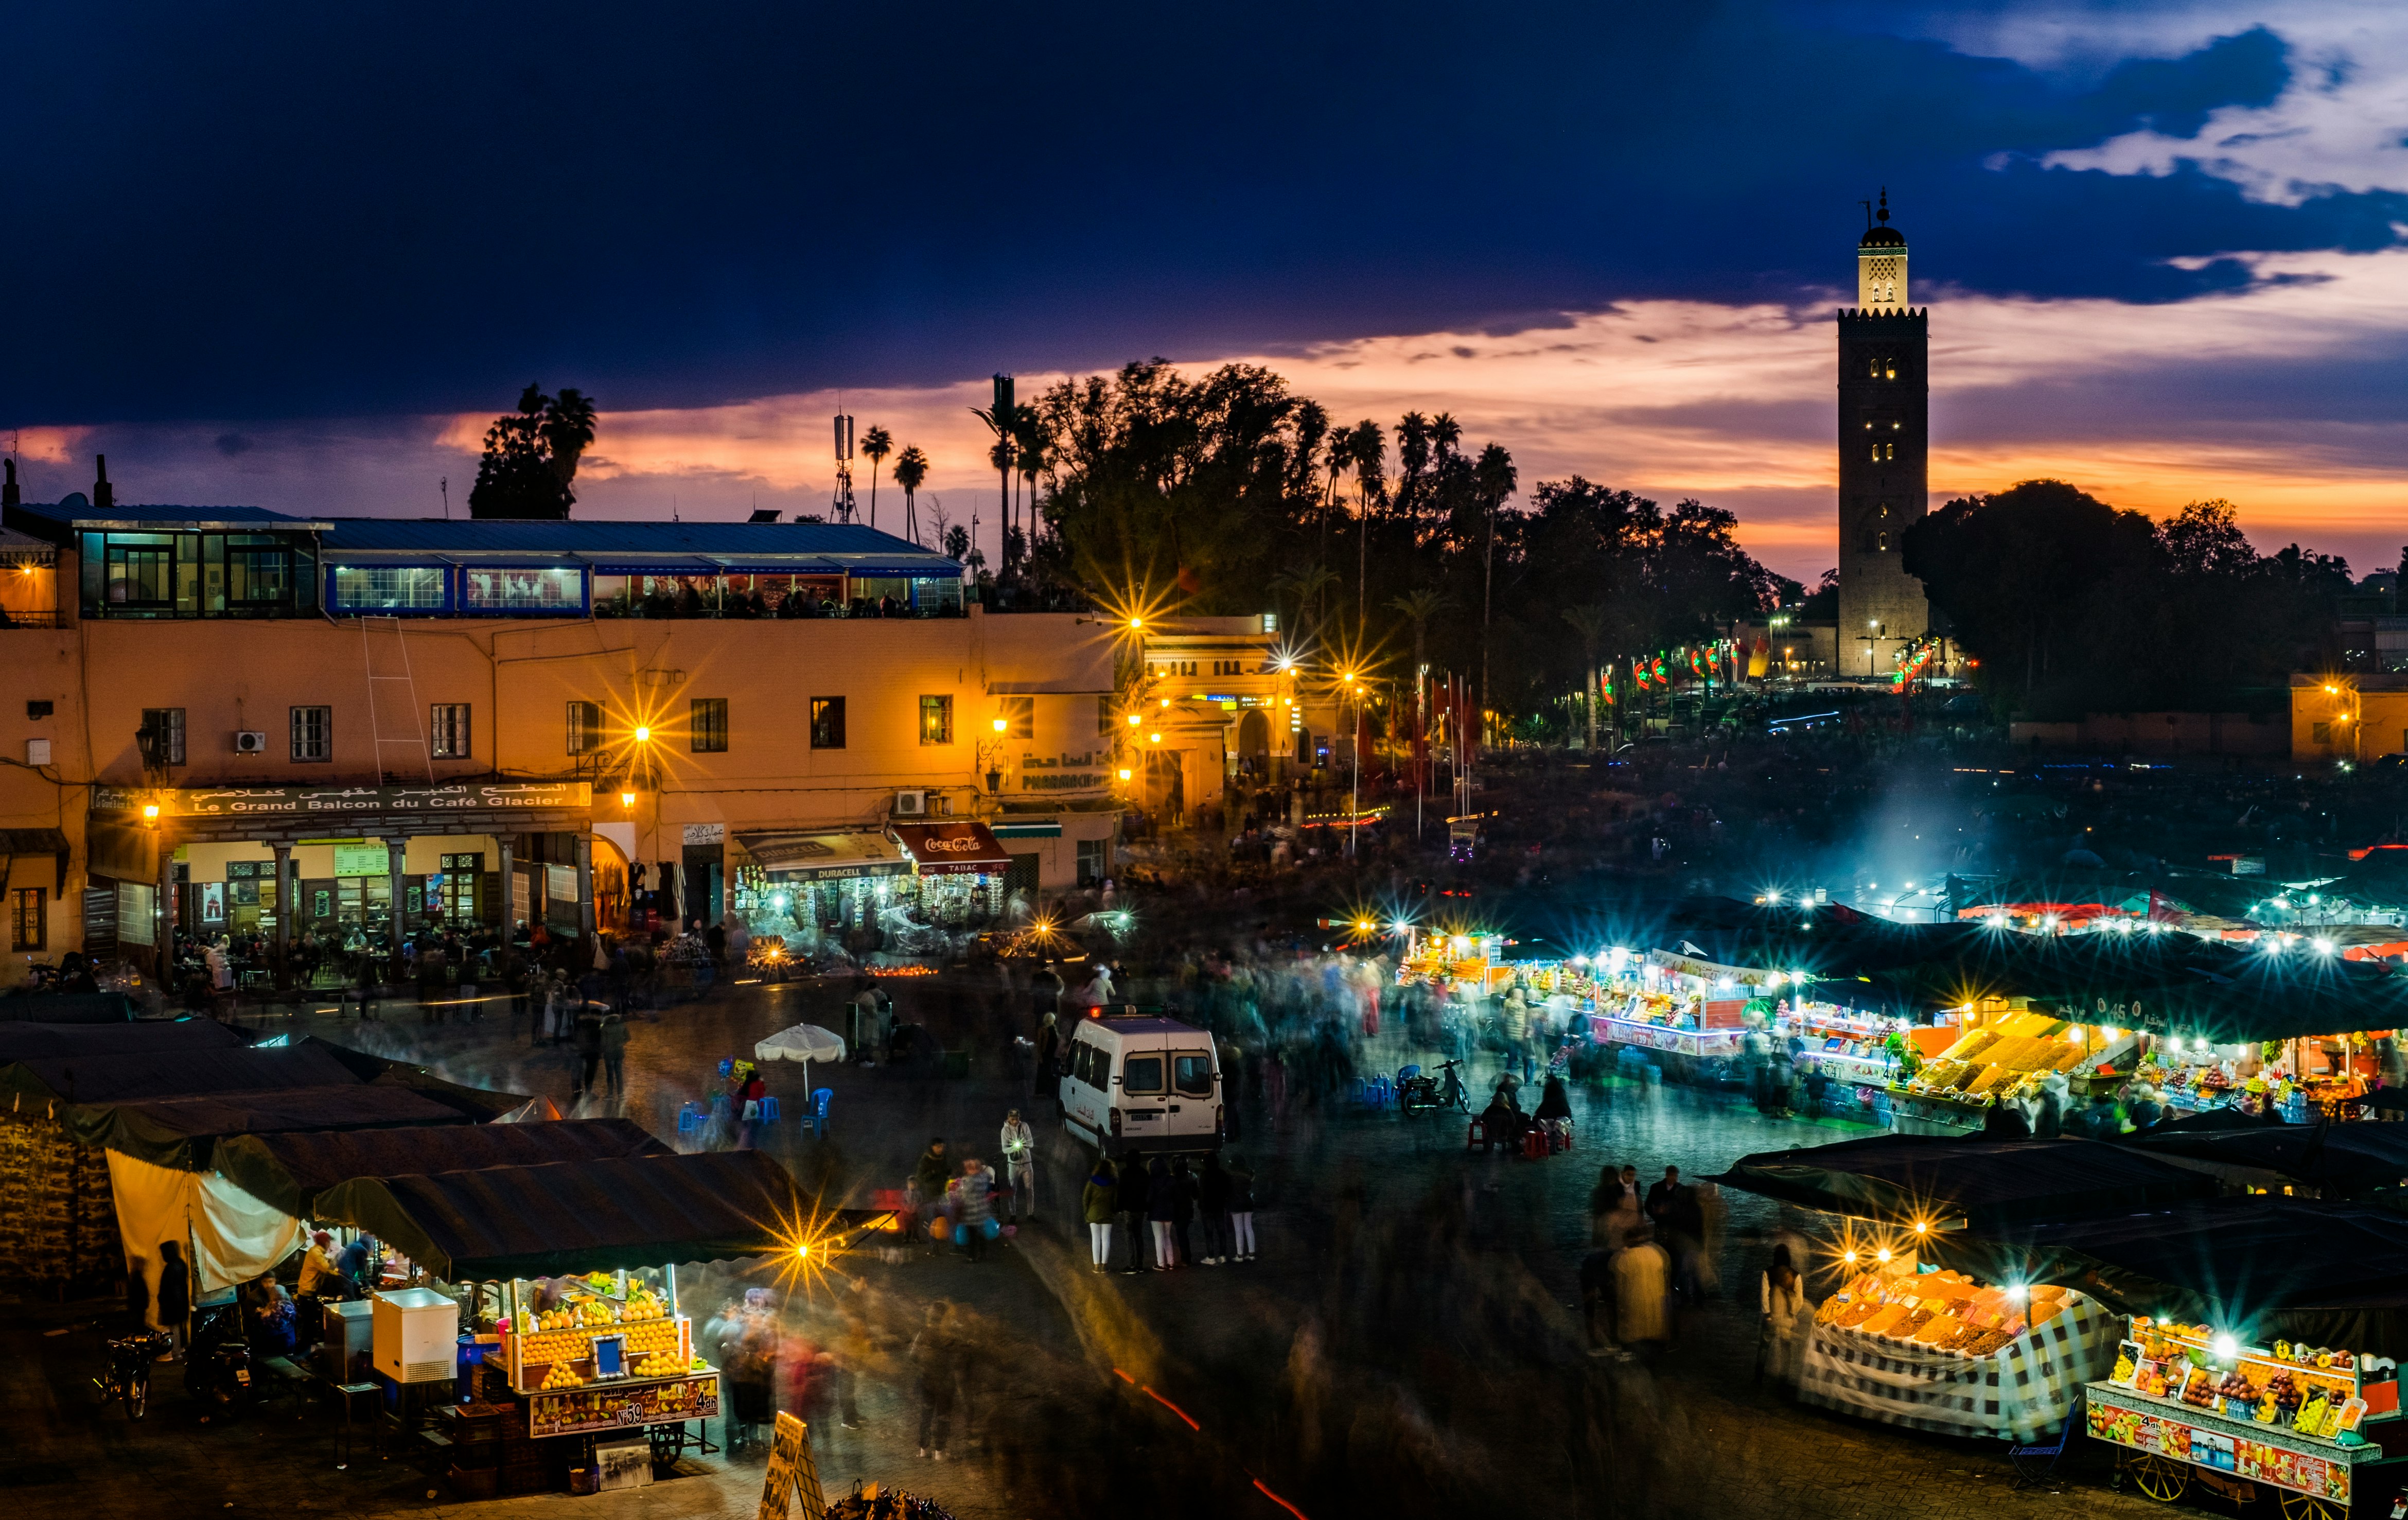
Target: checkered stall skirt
x,y
2020,1392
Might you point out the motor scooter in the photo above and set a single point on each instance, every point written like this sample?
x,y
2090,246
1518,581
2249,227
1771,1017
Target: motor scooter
x,y
217,1368
1418,1092
127,1374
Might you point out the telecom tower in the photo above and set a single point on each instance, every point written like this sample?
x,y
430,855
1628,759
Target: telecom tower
x,y
843,502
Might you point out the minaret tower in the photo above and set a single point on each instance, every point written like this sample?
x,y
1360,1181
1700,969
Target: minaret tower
x,y
1884,441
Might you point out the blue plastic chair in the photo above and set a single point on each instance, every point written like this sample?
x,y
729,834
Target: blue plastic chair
x,y
689,1118
1361,1094
1383,1092
769,1110
1407,1073
818,1121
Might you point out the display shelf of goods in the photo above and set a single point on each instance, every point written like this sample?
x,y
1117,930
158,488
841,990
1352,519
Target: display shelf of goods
x,y
2009,1059
2313,1391
1942,1352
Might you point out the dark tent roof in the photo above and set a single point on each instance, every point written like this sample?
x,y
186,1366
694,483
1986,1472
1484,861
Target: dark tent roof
x,y
182,1132
573,1216
24,1042
2335,1274
67,1007
289,1170
480,1103
157,1073
2339,1159
2211,1121
1990,1184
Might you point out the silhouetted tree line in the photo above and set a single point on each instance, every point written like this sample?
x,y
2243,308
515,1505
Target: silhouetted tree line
x,y
1229,493
2071,604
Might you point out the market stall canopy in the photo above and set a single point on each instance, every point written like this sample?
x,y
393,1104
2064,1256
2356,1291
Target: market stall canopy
x,y
26,1041
2333,1274
958,847
1829,943
573,1216
184,1132
60,1008
130,1076
813,857
1990,1184
289,1170
2343,1160
803,1043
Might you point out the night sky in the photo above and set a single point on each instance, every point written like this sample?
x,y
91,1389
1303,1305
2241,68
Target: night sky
x,y
293,258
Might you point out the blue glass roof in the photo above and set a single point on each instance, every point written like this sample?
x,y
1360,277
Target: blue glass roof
x,y
801,548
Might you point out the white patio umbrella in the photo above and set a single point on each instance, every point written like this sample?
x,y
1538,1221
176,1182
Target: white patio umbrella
x,y
804,1042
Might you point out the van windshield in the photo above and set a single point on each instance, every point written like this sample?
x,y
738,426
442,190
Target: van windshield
x,y
1191,1073
1141,1074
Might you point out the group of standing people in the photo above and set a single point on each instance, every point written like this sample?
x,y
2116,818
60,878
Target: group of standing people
x,y
1653,1251
1163,1202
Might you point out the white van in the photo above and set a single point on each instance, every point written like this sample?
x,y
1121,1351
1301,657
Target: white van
x,y
1137,1083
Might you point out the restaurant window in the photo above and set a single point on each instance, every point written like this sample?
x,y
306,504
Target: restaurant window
x,y
388,588
447,727
585,727
1020,717
936,720
707,726
827,723
314,735
28,921
161,736
557,589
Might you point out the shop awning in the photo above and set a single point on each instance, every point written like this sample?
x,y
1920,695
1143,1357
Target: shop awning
x,y
1904,1180
2343,1160
289,1170
183,1133
164,1073
573,1216
964,847
2331,1274
22,1041
822,857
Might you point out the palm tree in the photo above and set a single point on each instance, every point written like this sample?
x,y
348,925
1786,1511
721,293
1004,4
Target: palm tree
x,y
1028,444
910,473
1365,452
999,421
876,445
1590,623
1419,607
1494,478
1305,582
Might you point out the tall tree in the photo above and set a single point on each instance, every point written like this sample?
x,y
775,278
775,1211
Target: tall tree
x,y
1001,421
529,468
876,445
1590,623
1366,455
1495,477
910,473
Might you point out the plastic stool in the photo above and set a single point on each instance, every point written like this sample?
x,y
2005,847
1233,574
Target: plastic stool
x,y
769,1110
689,1118
1476,1135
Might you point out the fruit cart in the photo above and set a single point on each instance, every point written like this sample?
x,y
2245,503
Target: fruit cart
x,y
2188,1407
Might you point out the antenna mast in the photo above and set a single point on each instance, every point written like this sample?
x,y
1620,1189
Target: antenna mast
x,y
843,502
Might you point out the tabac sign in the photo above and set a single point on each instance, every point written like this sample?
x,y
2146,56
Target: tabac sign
x,y
334,802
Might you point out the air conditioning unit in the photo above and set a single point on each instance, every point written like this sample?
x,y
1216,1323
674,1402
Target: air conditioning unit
x,y
250,741
910,804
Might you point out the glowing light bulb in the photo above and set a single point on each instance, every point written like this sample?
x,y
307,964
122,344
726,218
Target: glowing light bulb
x,y
643,736
1002,723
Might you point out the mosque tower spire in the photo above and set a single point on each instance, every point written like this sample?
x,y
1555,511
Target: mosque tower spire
x,y
1884,441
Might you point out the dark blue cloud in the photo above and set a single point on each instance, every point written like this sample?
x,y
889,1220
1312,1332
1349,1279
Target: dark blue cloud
x,y
356,209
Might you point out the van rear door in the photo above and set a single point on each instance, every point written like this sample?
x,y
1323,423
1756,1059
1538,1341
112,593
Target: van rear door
x,y
1145,1091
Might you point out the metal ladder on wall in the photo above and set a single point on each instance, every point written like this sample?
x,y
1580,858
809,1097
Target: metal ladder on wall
x,y
400,653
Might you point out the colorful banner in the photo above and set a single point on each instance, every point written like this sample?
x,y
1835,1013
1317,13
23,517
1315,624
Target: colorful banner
x,y
616,1406
2245,1451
